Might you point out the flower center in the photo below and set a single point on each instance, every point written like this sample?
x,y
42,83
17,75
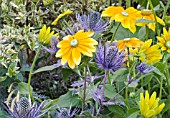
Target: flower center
x,y
74,43
146,12
168,44
124,13
127,39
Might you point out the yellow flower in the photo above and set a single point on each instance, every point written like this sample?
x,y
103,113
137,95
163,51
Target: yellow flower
x,y
129,42
112,11
164,40
149,54
148,15
71,48
127,17
149,107
45,35
60,16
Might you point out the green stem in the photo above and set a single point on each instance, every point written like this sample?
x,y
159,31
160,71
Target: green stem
x,y
157,27
147,32
128,3
167,79
114,34
84,94
126,96
30,74
104,83
120,2
165,10
149,86
160,92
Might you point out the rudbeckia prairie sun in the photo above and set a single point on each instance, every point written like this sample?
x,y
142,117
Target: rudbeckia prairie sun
x,y
129,42
149,54
71,47
149,107
45,35
148,15
127,17
164,40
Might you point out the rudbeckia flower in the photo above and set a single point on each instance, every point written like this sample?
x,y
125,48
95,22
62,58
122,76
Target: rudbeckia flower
x,y
112,11
149,107
72,46
164,40
148,15
45,35
149,54
60,16
129,42
127,17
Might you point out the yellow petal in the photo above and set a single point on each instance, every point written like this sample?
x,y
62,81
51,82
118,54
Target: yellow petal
x,y
66,56
71,63
152,99
84,51
76,55
146,97
161,39
83,35
89,41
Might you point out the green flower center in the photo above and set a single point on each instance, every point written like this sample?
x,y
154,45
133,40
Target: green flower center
x,y
124,13
168,44
74,43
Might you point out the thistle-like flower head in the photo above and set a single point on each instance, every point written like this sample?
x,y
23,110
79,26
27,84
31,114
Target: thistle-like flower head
x,y
92,22
144,68
109,58
25,109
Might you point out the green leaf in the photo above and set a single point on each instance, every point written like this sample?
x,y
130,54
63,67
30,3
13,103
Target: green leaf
x,y
144,21
3,78
145,2
19,77
142,33
47,68
118,110
109,91
134,115
23,88
68,100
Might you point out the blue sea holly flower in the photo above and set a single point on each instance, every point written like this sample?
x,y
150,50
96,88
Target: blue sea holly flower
x,y
109,58
25,109
92,22
144,68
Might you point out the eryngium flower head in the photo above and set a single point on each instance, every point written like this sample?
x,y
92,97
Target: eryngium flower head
x,y
24,109
66,113
144,68
92,22
109,58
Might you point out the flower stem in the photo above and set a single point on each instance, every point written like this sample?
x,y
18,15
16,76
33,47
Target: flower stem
x,y
147,32
114,34
157,27
30,74
104,84
84,94
128,3
126,96
160,92
165,9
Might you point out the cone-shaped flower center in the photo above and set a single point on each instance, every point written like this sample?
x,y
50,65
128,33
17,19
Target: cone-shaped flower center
x,y
168,44
124,13
146,12
74,43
